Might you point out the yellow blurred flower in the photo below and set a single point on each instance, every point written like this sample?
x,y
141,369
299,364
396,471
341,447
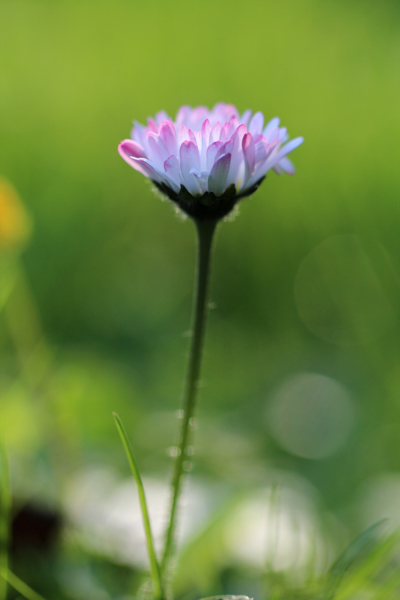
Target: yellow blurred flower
x,y
15,224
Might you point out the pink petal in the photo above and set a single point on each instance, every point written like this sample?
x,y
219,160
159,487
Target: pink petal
x,y
172,170
205,136
138,133
219,174
183,114
237,154
249,153
157,149
152,126
224,149
132,149
227,131
183,135
256,123
246,117
192,137
238,135
215,132
262,151
160,117
172,162
143,165
168,136
273,124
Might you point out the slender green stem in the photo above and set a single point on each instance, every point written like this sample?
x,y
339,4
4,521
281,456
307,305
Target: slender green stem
x,y
154,566
205,235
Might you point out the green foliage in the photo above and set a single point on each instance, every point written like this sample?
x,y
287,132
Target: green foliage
x,y
98,324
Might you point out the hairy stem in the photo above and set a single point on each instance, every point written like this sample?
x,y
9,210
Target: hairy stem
x,y
205,235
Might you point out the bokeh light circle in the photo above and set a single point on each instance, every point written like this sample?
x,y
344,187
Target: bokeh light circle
x,y
311,415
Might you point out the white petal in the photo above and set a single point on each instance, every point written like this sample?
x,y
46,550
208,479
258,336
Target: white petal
x,y
287,166
211,154
219,174
256,123
189,159
246,116
289,147
273,124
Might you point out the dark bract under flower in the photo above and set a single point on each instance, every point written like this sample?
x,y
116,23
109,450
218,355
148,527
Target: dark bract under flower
x,y
207,160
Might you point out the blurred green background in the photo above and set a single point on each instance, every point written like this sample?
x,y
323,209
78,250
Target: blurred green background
x,y
302,366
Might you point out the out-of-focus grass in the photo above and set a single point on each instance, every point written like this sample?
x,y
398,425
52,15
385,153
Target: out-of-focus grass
x,y
110,267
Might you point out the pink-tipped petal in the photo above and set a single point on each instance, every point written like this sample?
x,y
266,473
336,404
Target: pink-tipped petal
x,y
238,136
157,150
132,160
143,165
152,126
226,148
205,137
215,132
132,149
245,118
189,158
249,154
172,170
160,117
262,149
183,114
192,137
183,135
172,162
227,131
168,136
218,176
138,133
273,124
256,123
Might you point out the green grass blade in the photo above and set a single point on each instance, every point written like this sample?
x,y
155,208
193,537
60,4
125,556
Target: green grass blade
x,y
354,551
21,587
154,566
367,574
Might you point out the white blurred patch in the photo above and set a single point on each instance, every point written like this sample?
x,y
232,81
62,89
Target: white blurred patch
x,y
311,415
278,528
106,518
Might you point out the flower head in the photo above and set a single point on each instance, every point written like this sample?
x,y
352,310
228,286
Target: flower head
x,y
206,160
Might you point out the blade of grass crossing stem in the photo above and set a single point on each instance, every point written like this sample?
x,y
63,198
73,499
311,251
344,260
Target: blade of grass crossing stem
x,y
21,587
389,587
154,566
355,551
371,568
5,508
